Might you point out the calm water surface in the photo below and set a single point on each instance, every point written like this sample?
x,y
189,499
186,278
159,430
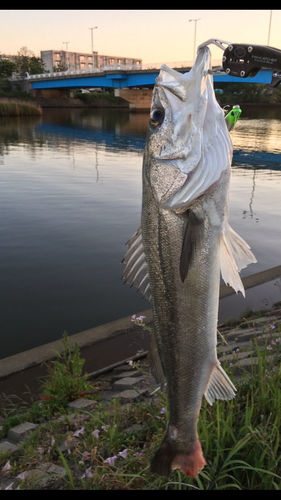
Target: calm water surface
x,y
70,198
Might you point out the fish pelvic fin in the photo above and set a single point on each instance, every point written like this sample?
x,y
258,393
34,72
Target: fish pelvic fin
x,y
166,459
219,385
235,254
155,363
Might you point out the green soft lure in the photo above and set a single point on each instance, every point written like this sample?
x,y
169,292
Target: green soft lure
x,y
232,117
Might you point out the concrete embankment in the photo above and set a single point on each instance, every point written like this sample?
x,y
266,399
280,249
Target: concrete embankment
x,y
100,347
119,340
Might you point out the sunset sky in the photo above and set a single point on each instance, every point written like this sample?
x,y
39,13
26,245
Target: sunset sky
x,y
152,35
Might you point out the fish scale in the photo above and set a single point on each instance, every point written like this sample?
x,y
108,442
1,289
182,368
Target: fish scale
x,y
184,241
185,314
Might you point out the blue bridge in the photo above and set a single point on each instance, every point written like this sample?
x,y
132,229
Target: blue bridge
x,y
121,77
133,84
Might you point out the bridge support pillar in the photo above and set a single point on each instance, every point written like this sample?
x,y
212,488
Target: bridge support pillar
x,y
138,98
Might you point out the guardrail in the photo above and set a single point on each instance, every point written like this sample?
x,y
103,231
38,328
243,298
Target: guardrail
x,y
102,69
88,71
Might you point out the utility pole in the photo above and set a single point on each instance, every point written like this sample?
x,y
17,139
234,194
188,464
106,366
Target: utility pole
x,y
269,27
67,61
92,44
195,25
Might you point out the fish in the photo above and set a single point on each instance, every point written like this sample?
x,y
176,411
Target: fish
x,y
183,243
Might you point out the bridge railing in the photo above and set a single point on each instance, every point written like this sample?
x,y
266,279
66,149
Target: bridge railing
x,y
88,71
116,67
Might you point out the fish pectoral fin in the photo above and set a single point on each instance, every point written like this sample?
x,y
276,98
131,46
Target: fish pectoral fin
x,y
155,363
219,385
235,254
192,237
136,271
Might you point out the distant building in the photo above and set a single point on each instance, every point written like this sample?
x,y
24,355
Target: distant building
x,y
4,57
79,60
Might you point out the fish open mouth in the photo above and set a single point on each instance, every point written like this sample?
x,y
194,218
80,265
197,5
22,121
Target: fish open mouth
x,y
179,84
199,143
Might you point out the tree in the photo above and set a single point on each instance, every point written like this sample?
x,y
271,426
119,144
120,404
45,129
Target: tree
x,y
27,62
6,68
60,67
36,66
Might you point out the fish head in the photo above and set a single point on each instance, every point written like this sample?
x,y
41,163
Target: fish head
x,y
185,118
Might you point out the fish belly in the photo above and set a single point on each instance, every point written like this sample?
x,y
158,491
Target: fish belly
x,y
185,319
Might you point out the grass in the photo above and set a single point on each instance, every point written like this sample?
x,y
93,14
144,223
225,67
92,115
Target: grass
x,y
113,444
10,107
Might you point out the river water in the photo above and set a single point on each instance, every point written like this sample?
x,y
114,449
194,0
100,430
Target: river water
x,y
70,198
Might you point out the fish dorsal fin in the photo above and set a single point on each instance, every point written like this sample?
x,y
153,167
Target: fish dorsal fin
x,y
155,364
219,385
136,271
235,254
191,240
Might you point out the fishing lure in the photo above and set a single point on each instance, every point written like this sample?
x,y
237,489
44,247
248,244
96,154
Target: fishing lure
x,y
232,117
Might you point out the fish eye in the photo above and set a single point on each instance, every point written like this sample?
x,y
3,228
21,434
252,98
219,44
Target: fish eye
x,y
156,117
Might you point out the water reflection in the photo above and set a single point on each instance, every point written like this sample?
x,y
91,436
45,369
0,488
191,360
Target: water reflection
x,y
245,212
71,197
256,140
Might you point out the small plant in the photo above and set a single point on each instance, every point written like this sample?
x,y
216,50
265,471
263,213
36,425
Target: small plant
x,y
139,322
65,381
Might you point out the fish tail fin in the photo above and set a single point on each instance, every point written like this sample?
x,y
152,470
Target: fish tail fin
x,y
167,458
235,254
219,385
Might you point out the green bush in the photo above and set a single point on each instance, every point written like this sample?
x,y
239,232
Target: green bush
x,y
65,381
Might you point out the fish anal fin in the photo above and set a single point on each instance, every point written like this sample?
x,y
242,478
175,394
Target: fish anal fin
x,y
219,385
155,362
235,254
191,239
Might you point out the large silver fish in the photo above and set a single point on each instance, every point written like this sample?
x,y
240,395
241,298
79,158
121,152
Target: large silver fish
x,y
183,242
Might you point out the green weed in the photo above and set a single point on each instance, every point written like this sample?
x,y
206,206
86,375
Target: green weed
x,y
65,382
9,107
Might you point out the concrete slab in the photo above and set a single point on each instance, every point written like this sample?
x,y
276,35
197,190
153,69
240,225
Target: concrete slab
x,y
46,476
21,431
8,446
129,395
81,404
125,383
108,395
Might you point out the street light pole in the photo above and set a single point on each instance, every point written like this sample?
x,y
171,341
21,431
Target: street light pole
x,y
269,27
67,61
92,44
195,25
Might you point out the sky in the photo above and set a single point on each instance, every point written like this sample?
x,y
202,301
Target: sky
x,y
151,35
